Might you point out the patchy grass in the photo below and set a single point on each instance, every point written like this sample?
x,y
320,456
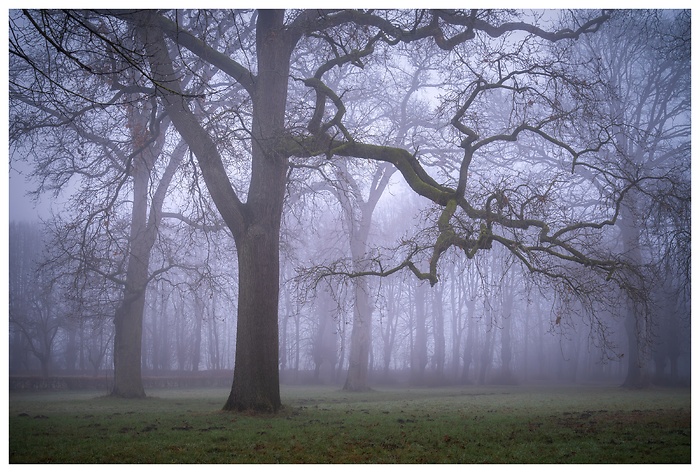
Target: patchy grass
x,y
513,424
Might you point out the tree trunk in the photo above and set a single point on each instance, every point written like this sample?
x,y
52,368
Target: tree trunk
x,y
128,319
44,362
486,357
439,333
127,346
325,344
637,375
213,348
389,333
256,371
359,340
455,323
506,376
419,358
197,348
470,341
255,224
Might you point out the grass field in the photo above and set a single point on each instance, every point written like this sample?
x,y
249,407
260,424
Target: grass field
x,y
503,424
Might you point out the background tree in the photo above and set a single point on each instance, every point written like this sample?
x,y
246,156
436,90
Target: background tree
x,y
36,311
114,141
647,74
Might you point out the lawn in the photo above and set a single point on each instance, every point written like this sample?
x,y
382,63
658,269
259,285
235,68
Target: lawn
x,y
472,424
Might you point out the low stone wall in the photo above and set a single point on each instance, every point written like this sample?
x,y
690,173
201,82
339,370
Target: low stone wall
x,y
105,383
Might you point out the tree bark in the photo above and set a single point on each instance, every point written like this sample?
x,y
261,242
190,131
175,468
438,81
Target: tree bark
x,y
360,338
419,353
439,333
197,348
128,319
256,370
469,342
637,373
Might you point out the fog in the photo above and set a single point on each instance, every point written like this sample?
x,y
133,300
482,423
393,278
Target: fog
x,y
402,208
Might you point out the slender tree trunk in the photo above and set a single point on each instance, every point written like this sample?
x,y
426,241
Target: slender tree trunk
x,y
506,336
297,347
470,341
197,348
284,336
389,332
325,344
358,217
419,357
525,371
636,366
360,338
213,349
343,344
439,332
455,323
542,367
486,357
128,320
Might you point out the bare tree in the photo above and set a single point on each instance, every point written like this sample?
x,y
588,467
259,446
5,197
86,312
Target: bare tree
x,y
500,59
35,312
114,140
647,73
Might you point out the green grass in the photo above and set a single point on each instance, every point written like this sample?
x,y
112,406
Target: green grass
x,y
513,424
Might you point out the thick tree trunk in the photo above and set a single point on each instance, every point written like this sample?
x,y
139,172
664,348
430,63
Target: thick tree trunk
x,y
361,337
44,362
256,373
128,331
